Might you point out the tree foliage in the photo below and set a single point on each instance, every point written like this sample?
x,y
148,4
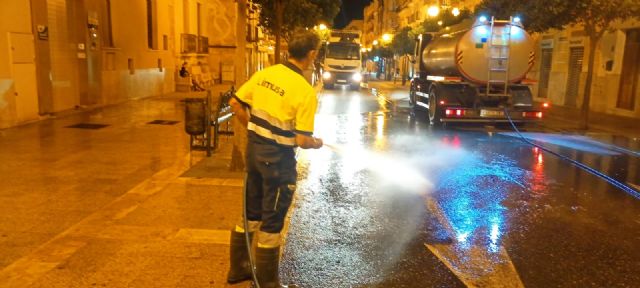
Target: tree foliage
x,y
537,16
297,14
381,51
595,16
403,42
443,20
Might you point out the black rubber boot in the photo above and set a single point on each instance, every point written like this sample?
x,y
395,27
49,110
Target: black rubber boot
x,y
240,268
267,264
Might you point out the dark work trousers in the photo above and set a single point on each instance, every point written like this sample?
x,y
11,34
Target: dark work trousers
x,y
271,182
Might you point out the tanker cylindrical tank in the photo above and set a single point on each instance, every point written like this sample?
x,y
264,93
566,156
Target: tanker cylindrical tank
x,y
466,53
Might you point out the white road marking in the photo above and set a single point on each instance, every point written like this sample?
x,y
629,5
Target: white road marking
x,y
474,265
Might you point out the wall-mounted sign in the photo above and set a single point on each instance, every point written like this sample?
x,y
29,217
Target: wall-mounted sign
x,y
546,44
43,32
576,42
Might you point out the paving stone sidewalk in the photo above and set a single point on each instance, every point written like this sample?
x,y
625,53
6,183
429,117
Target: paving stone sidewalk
x,y
124,205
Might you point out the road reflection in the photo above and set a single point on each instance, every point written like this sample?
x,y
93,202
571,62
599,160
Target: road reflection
x,y
387,185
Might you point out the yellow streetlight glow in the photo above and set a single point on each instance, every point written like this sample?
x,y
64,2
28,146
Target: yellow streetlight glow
x,y
440,22
322,27
386,37
433,11
455,12
375,42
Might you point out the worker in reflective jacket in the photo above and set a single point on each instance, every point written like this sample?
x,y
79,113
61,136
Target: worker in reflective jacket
x,y
278,106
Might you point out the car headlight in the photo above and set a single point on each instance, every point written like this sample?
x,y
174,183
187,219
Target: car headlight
x,y
326,75
357,77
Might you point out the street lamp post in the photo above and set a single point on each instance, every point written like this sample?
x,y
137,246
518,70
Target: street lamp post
x,y
439,14
433,11
386,38
455,11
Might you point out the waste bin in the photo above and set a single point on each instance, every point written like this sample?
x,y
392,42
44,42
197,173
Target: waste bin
x,y
195,122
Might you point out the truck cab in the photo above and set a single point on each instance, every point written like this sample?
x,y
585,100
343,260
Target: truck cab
x,y
342,60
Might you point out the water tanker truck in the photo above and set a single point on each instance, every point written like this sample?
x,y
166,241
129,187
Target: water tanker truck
x,y
474,72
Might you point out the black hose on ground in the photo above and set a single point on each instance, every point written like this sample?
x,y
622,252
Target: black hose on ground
x,y
246,231
580,165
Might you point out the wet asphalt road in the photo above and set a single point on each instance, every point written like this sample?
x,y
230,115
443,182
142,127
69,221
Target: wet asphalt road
x,y
393,202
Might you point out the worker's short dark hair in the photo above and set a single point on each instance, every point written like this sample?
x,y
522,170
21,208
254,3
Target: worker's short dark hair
x,y
301,42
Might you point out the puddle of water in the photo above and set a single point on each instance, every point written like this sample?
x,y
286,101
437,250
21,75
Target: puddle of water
x,y
575,142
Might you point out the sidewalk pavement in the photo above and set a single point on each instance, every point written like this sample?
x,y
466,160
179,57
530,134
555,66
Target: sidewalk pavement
x,y
598,122
121,205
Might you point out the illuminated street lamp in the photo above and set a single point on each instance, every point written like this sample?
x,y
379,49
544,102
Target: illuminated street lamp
x,y
375,42
433,11
322,27
455,12
386,38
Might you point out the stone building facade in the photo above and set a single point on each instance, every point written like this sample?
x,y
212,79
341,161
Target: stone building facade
x,y
61,55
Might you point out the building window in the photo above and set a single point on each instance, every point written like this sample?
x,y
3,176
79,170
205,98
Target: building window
x,y
108,34
199,18
630,77
152,39
185,15
576,55
545,70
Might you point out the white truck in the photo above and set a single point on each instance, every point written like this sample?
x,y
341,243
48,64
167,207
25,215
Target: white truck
x,y
342,60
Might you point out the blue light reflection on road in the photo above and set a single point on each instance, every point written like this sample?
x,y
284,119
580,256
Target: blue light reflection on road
x,y
471,197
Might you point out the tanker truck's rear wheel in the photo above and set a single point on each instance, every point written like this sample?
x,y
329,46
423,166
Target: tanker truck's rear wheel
x,y
412,99
434,110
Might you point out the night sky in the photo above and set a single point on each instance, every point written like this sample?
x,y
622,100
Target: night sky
x,y
351,9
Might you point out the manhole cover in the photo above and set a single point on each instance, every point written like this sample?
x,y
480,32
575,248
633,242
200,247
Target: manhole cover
x,y
163,122
88,126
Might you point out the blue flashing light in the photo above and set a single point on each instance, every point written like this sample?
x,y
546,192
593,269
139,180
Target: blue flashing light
x,y
376,59
482,30
516,34
516,19
483,19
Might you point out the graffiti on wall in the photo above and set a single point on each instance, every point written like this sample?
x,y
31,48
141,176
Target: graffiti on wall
x,y
5,85
223,17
